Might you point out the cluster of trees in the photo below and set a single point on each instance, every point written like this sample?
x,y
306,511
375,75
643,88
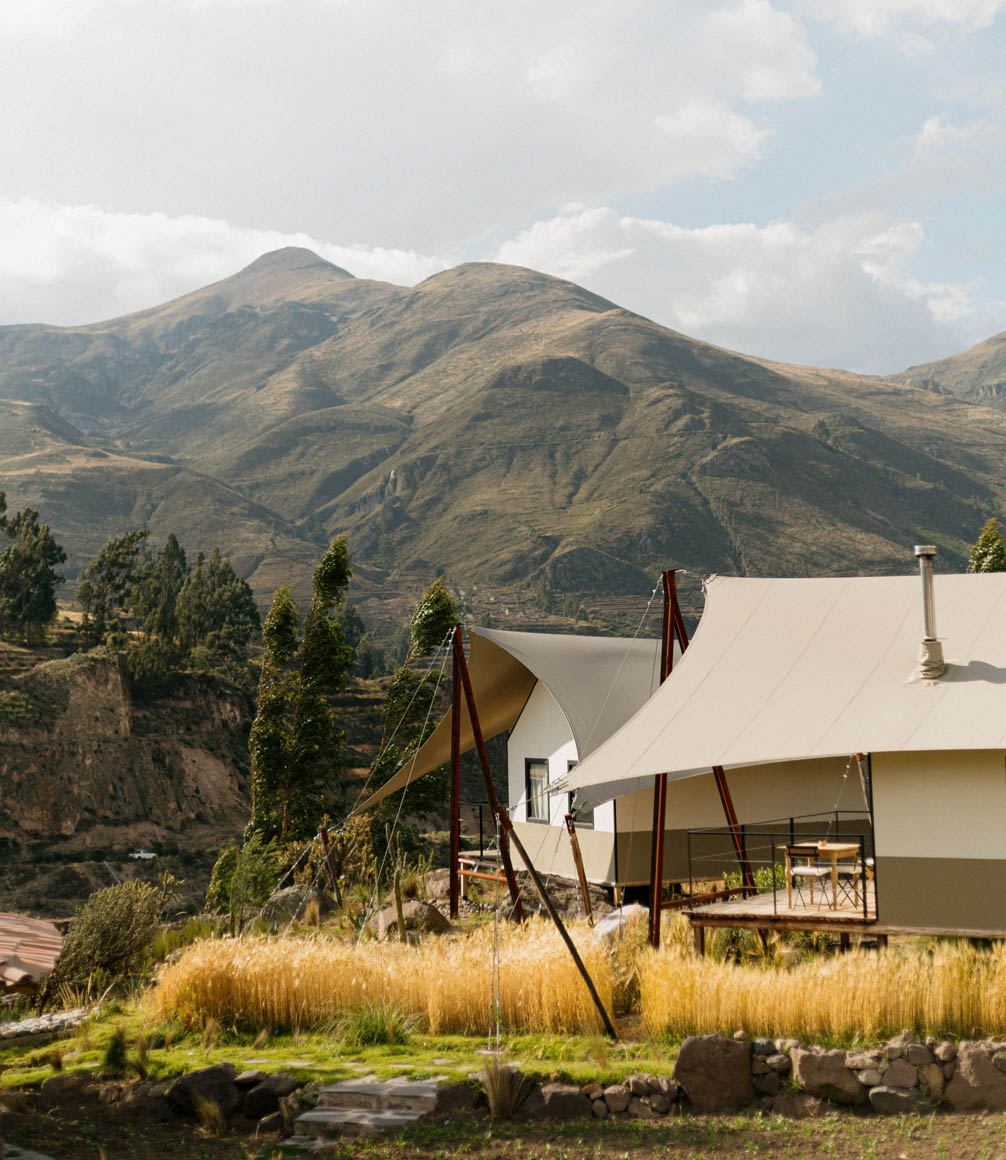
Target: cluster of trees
x,y
28,579
203,616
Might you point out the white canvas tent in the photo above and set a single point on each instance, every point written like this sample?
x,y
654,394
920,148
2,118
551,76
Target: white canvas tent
x,y
786,673
596,682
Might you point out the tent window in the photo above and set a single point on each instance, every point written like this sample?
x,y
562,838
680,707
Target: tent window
x,y
584,818
536,788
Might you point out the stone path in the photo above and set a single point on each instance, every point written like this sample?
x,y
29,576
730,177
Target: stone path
x,y
363,1107
49,1024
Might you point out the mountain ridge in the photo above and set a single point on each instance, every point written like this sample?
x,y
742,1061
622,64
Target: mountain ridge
x,y
510,428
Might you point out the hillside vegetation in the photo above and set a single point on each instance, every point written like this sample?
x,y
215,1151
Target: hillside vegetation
x,y
542,445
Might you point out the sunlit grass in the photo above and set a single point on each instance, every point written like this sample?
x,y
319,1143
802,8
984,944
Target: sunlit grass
x,y
951,988
303,982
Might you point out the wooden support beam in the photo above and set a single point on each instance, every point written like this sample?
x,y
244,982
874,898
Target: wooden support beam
x,y
461,669
574,843
672,625
455,806
735,830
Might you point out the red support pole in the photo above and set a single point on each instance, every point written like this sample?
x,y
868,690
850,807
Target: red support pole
x,y
672,624
455,819
731,816
499,811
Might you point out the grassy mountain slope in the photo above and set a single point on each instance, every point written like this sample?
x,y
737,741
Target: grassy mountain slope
x,y
978,374
511,428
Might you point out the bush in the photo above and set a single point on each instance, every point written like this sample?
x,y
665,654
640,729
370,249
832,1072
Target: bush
x,y
243,878
107,939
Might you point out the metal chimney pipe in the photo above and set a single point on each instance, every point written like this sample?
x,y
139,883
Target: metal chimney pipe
x,y
931,662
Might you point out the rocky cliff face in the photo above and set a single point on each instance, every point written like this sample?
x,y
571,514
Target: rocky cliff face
x,y
88,774
93,761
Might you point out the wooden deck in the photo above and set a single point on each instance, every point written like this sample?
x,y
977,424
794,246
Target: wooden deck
x,y
764,911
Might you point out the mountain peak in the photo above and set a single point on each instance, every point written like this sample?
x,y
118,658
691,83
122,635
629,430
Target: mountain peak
x,y
292,258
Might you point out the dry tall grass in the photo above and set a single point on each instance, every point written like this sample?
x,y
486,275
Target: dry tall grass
x,y
950,989
298,982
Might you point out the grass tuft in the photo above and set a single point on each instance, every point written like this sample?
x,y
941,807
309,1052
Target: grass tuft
x,y
381,1024
506,1087
115,1055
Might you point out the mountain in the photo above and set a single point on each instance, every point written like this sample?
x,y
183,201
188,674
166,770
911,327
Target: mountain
x,y
542,445
977,374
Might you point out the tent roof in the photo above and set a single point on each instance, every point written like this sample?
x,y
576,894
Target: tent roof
x,y
598,683
787,669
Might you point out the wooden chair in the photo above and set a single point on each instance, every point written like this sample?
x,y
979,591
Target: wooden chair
x,y
803,867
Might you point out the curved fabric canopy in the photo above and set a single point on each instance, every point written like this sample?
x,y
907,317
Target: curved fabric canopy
x,y
789,669
598,683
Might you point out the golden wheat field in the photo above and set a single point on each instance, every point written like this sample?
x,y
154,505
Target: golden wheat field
x,y
302,982
951,988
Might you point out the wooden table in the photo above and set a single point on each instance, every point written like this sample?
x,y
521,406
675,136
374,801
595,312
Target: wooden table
x,y
834,852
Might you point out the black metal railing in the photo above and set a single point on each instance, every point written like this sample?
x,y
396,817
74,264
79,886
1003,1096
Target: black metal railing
x,y
753,853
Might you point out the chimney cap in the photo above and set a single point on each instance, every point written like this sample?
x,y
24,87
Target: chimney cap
x,y
925,549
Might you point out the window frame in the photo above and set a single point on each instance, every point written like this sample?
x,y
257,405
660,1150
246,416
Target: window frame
x,y
540,798
581,824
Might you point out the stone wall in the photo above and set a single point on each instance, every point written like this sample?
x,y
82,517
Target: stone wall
x,y
714,1073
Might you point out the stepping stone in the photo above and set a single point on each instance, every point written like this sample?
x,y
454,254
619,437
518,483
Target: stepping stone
x,y
350,1122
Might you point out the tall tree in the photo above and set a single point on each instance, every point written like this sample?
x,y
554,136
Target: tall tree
x,y
106,582
408,717
155,595
28,578
296,748
989,552
435,615
216,608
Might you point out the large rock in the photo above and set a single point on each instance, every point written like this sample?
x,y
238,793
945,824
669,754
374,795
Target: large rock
x,y
289,905
799,1106
901,1074
825,1074
897,1101
976,1082
563,1101
715,1072
617,1096
264,1097
209,1084
418,916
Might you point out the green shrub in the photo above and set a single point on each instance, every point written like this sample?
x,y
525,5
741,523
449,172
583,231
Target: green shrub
x,y
243,878
107,939
378,1025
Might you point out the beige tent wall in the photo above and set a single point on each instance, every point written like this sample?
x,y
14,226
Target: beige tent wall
x,y
779,790
941,839
549,850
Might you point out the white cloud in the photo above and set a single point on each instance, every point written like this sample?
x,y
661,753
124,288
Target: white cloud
x,y
430,125
894,18
838,295
74,264
938,135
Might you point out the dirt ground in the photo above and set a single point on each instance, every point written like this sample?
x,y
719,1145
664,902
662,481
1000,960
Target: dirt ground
x,y
104,1133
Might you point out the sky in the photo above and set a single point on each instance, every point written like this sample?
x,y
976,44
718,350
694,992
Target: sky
x,y
815,181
